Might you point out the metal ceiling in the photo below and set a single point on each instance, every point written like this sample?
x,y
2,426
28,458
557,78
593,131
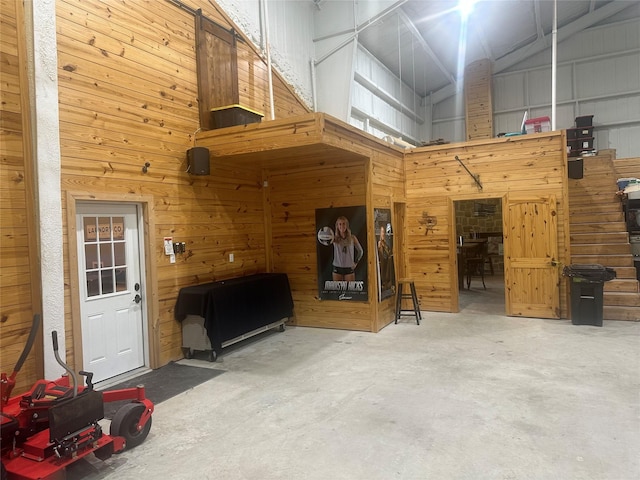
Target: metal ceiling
x,y
419,40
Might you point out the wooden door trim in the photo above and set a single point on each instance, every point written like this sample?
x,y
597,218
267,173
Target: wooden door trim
x,y
453,254
152,308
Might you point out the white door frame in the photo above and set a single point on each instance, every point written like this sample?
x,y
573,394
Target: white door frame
x,y
150,311
114,320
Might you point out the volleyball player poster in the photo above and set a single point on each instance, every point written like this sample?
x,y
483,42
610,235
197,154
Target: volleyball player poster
x,y
341,246
384,253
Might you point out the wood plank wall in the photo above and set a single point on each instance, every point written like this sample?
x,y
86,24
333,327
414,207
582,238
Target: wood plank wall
x,y
128,95
295,192
127,80
307,163
19,283
627,167
477,98
523,166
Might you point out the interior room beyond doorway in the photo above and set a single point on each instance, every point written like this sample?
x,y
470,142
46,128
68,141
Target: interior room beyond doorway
x,y
480,255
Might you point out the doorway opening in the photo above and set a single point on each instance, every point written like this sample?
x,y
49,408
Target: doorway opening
x,y
480,256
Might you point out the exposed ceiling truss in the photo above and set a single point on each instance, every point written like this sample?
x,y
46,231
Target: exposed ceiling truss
x,y
506,32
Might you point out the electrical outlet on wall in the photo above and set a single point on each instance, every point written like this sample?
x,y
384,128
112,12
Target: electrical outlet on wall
x,y
231,258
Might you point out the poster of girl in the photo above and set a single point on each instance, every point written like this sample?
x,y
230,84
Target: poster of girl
x,y
341,252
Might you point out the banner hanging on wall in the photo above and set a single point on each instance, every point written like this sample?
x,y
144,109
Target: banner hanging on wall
x,y
341,251
384,253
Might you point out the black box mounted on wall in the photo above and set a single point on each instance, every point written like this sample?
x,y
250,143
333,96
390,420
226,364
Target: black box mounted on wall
x,y
198,158
575,168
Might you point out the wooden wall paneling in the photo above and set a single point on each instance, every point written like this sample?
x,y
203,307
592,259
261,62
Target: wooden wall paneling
x,y
431,260
254,87
371,247
122,104
296,192
115,36
20,293
253,81
478,101
387,188
134,24
267,219
521,166
311,162
627,167
262,137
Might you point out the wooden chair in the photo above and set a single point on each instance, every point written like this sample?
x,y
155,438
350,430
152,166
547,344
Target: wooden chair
x,y
474,264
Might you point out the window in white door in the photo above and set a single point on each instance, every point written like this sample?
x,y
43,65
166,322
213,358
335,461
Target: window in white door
x,y
105,255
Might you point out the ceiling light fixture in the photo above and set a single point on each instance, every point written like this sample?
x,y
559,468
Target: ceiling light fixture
x,y
466,7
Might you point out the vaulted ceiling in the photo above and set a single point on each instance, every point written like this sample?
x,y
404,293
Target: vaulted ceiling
x,y
426,42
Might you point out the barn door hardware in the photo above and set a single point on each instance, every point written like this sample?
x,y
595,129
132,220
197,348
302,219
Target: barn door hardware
x,y
476,178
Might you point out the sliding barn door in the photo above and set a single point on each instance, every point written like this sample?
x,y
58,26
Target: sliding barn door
x,y
531,252
217,63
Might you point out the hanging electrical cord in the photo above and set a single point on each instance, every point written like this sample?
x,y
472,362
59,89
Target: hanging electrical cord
x,y
413,71
399,64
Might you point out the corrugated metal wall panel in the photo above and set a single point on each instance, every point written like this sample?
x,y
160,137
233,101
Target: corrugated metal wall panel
x,y
450,130
448,108
371,97
613,111
623,139
508,91
593,79
607,76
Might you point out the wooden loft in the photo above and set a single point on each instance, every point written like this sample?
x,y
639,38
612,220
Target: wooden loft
x,y
306,163
312,137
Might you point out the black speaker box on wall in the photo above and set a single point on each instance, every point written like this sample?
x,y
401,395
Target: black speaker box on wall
x,y
575,168
198,158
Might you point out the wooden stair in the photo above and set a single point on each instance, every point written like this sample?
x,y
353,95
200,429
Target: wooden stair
x,y
598,232
627,167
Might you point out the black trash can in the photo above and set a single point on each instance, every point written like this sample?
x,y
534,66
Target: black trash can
x,y
587,285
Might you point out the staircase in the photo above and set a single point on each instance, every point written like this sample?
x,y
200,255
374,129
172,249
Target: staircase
x,y
598,234
627,167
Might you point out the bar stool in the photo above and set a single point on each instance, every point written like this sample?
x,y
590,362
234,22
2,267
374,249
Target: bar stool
x,y
410,294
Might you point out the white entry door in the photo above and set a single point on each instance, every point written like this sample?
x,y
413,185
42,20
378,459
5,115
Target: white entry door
x,y
111,290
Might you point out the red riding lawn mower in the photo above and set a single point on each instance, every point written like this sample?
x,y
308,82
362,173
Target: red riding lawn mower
x,y
55,423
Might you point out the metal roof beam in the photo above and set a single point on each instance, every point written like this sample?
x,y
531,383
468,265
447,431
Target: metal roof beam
x,y
423,43
364,25
536,10
540,44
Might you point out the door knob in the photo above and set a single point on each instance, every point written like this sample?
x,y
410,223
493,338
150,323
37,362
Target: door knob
x,y
137,298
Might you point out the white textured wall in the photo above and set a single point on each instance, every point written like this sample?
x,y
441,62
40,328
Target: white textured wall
x,y
43,71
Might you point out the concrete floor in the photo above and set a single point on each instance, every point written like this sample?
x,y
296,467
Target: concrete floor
x,y
474,395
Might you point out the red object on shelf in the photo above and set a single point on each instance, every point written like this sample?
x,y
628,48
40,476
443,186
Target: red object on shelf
x,y
537,125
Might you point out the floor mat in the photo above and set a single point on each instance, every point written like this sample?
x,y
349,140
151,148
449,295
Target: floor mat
x,y
163,383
